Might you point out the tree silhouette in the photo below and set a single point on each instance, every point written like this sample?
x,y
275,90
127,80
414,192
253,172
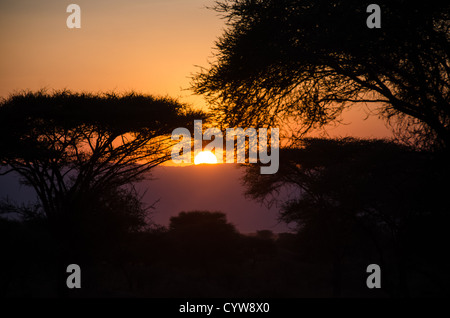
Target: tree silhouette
x,y
204,237
71,147
349,196
82,153
309,60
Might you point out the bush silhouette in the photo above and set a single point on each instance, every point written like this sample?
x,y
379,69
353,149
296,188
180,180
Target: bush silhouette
x,y
203,237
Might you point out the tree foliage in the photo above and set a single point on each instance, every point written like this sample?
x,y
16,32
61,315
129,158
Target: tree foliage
x,y
201,223
354,177
203,237
348,197
308,60
73,146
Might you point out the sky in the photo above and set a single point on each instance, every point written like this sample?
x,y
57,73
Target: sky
x,y
149,46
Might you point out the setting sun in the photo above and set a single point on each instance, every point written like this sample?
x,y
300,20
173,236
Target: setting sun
x,y
205,157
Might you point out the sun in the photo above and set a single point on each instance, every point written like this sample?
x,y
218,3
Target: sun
x,y
205,157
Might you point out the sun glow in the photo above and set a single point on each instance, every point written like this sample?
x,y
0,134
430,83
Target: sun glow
x,y
205,157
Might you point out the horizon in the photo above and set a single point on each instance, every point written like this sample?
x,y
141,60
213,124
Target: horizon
x,y
195,192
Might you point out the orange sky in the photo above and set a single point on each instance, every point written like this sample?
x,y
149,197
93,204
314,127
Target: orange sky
x,y
150,46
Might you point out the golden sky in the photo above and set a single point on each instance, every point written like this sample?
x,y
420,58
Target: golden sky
x,y
150,46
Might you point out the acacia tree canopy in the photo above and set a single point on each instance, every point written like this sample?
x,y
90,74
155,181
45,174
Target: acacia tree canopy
x,y
370,185
310,59
69,146
348,195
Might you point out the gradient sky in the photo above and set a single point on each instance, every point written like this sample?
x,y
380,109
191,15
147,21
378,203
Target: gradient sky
x,y
150,46
147,46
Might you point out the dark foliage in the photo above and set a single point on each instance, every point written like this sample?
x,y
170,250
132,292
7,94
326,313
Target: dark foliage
x,y
309,60
71,147
355,200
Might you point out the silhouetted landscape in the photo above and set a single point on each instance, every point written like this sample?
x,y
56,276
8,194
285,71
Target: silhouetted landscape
x,y
333,205
200,254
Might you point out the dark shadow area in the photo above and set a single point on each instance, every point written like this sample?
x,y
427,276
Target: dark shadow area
x,y
358,202
186,260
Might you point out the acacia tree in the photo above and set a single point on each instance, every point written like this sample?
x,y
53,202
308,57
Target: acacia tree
x,y
308,60
348,197
73,148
